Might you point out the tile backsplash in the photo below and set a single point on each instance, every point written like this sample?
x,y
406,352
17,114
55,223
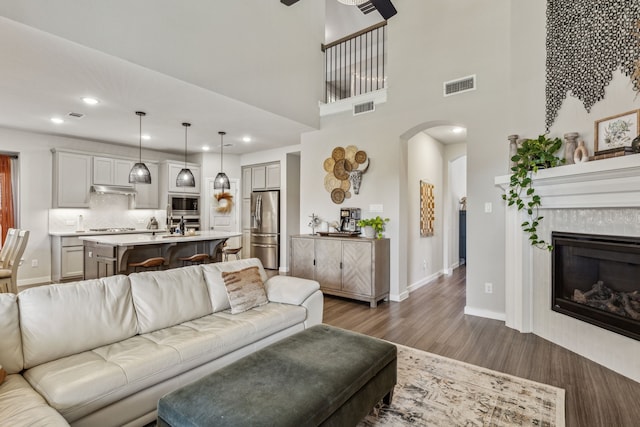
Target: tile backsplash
x,y
105,211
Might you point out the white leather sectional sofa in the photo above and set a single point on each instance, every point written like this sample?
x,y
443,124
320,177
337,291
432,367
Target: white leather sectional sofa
x,y
102,352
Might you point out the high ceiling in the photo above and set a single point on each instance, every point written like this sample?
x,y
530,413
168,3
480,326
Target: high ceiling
x,y
43,76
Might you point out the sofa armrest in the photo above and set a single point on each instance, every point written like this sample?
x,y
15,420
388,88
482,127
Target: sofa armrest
x,y
290,290
21,405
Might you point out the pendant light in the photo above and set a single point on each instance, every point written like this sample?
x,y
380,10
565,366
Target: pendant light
x,y
185,177
139,173
222,180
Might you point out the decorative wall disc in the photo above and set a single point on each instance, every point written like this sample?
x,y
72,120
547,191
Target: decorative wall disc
x,y
337,196
338,153
328,164
361,157
342,168
350,153
331,182
345,185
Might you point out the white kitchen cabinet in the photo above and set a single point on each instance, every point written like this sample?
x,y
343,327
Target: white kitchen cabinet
x,y
110,171
273,176
67,259
351,267
147,195
258,177
246,182
173,168
71,180
265,177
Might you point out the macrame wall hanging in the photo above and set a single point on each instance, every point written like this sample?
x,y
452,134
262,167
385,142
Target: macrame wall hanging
x,y
587,40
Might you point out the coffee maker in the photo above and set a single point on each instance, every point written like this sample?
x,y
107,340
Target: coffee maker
x,y
349,218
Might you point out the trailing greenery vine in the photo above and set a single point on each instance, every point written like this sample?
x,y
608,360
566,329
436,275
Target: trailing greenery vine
x,y
532,154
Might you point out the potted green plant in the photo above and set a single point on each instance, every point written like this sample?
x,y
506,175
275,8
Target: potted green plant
x,y
375,224
531,155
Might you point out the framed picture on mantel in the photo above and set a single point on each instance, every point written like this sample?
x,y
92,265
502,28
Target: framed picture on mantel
x,y
616,131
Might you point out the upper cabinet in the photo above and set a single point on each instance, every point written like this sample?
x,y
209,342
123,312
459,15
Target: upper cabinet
x,y
264,177
170,174
71,180
108,171
75,172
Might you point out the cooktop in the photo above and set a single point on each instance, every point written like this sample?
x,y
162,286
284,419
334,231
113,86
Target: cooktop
x,y
113,229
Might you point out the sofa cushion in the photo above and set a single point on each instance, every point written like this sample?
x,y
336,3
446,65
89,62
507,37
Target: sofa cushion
x,y
10,338
20,405
80,384
169,297
60,320
215,283
245,289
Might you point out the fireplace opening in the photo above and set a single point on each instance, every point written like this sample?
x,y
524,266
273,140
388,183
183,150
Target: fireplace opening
x,y
596,279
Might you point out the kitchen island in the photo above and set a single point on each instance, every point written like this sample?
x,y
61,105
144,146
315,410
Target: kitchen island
x,y
106,255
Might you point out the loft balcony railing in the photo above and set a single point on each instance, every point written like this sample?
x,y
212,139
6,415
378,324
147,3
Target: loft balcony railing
x,y
355,64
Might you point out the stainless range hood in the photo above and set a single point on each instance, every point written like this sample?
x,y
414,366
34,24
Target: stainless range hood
x,y
113,189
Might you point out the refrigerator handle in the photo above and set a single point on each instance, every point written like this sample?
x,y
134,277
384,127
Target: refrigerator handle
x,y
258,213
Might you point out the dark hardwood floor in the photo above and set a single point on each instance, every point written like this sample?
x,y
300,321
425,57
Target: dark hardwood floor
x,y
432,319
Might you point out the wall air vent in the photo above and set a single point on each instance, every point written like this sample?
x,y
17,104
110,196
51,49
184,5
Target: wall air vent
x,y
454,87
75,115
365,107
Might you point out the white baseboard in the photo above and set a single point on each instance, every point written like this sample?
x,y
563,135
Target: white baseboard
x,y
424,281
284,270
34,281
488,314
399,297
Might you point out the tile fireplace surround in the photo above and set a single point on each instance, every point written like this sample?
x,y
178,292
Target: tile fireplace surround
x,y
598,197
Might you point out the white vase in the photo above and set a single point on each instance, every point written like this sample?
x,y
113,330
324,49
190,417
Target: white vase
x,y
369,232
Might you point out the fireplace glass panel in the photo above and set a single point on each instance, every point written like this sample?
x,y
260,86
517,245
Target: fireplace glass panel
x,y
596,279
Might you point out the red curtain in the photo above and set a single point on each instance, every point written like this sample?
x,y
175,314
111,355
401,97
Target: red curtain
x,y
7,220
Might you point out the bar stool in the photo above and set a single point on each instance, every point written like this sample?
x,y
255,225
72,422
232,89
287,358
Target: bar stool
x,y
194,259
147,264
231,251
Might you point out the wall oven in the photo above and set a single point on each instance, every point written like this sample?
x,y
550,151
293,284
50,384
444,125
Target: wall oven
x,y
184,205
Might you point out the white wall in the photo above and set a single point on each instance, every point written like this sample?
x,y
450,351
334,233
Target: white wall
x,y
480,41
36,169
425,254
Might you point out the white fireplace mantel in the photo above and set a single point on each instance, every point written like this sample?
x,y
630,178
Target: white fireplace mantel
x,y
608,183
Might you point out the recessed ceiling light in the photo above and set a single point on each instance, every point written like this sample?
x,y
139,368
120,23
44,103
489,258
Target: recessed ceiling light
x,y
90,101
57,120
458,129
205,148
246,139
146,137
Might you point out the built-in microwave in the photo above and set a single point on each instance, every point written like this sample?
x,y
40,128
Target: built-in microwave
x,y
182,204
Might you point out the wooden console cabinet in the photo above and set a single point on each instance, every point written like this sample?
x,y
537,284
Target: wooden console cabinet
x,y
351,267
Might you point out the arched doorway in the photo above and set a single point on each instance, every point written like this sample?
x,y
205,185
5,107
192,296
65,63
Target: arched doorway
x,y
433,153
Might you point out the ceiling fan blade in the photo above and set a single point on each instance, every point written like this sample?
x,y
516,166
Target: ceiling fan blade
x,y
385,8
288,2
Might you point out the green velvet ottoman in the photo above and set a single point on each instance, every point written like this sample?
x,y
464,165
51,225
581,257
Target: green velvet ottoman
x,y
321,376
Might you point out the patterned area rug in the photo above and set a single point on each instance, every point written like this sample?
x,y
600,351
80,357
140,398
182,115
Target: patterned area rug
x,y
436,391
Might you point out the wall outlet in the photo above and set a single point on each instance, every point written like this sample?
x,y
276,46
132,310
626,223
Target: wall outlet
x,y
488,207
34,263
488,288
424,265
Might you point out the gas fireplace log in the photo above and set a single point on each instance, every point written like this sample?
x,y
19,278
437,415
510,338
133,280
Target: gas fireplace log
x,y
598,289
628,308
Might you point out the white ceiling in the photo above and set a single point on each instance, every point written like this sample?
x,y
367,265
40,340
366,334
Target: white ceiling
x,y
44,75
448,134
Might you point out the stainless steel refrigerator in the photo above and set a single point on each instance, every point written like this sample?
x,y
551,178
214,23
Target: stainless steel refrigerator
x,y
265,227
